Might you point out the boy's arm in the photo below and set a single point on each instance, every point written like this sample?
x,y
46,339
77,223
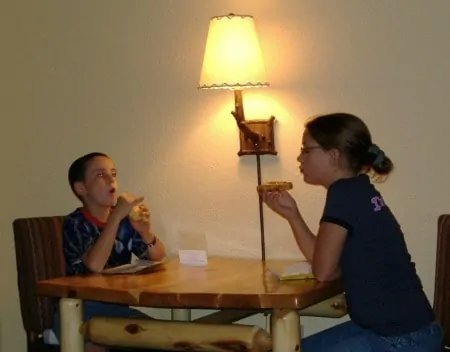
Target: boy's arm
x,y
141,249
83,254
97,255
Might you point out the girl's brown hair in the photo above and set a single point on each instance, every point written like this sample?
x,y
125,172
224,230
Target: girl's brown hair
x,y
350,136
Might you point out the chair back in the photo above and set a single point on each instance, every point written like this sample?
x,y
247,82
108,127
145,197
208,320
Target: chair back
x,y
39,256
442,277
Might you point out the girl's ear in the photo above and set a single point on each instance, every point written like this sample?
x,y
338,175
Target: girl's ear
x,y
334,157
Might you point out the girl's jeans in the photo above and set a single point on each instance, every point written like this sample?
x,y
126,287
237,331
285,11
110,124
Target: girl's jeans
x,y
349,337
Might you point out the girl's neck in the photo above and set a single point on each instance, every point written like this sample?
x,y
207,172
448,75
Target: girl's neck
x,y
337,176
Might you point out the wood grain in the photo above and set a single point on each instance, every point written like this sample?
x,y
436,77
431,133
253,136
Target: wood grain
x,y
224,283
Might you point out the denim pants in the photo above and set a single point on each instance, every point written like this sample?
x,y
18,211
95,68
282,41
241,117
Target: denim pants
x,y
94,309
349,337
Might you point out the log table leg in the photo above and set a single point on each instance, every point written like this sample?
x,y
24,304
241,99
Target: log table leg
x,y
175,336
285,330
71,311
181,314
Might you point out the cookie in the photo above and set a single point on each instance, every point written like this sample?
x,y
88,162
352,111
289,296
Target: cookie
x,y
275,186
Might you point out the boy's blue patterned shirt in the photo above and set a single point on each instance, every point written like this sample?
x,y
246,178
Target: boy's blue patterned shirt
x,y
81,230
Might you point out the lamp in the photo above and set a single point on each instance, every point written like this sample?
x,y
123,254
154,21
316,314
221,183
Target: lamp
x,y
233,61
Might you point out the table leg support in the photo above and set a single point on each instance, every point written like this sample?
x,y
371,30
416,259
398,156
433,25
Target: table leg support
x,y
285,330
181,314
71,311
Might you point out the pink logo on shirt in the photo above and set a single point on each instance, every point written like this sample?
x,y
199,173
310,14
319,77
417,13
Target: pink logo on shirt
x,y
378,203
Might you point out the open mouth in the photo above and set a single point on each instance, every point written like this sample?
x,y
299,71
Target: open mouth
x,y
112,191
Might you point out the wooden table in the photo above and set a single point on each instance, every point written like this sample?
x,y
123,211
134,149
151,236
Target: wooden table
x,y
225,283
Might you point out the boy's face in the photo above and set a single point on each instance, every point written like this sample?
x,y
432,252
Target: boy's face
x,y
99,187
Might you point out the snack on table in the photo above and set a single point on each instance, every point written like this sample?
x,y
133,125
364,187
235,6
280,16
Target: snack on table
x,y
275,186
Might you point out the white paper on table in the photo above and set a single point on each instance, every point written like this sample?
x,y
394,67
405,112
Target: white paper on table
x,y
193,249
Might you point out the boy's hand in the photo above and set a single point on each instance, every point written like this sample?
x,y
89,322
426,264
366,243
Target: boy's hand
x,y
124,204
142,224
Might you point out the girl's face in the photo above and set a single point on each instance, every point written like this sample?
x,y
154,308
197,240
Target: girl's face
x,y
318,166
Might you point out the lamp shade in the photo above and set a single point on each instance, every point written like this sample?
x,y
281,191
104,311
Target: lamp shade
x,y
233,57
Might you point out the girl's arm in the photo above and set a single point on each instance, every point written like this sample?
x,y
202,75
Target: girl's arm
x,y
322,251
327,251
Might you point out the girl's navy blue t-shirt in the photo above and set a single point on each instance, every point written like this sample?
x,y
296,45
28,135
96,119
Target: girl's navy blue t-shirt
x,y
384,293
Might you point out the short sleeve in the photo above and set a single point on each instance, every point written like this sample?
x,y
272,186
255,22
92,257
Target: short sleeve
x,y
338,206
138,247
76,240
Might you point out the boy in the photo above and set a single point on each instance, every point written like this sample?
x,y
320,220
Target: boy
x,y
100,234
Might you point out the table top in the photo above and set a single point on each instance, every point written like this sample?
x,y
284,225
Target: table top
x,y
232,283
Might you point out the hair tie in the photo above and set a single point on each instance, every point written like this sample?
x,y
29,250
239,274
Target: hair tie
x,y
380,156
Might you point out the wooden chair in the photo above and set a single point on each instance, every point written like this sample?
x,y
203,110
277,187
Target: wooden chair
x,y
442,280
38,245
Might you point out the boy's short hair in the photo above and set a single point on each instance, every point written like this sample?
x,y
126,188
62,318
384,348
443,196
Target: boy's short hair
x,y
77,171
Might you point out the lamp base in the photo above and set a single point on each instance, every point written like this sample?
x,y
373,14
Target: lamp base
x,y
266,138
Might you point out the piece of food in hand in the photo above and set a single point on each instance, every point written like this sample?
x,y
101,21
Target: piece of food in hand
x,y
275,186
135,213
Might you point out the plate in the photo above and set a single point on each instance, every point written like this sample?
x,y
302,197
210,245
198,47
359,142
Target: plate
x,y
139,267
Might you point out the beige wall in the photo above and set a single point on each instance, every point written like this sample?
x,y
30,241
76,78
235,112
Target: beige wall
x,y
120,77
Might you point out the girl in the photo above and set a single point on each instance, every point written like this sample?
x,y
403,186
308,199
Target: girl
x,y
360,241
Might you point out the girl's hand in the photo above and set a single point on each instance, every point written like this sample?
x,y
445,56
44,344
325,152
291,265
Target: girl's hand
x,y
282,203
